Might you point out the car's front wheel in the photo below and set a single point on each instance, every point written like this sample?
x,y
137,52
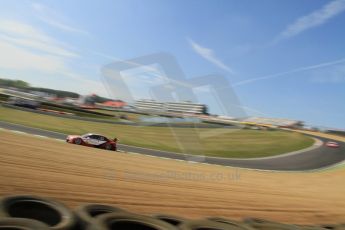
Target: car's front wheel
x,y
78,141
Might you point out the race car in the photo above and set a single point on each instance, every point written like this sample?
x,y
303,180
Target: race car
x,y
93,140
332,144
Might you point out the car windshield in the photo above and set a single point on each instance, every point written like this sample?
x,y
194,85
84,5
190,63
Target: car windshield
x,y
101,138
192,108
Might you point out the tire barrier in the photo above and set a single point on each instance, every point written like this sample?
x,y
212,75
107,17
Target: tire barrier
x,y
311,228
87,213
339,227
234,223
263,224
48,211
21,224
26,212
115,221
205,225
174,220
334,226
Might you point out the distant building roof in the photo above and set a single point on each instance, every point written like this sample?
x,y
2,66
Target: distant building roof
x,y
172,107
116,104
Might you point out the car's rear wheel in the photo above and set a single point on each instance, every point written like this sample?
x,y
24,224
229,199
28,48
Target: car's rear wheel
x,y
78,141
108,147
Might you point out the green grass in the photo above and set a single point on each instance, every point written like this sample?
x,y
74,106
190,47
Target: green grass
x,y
79,112
134,117
130,116
212,142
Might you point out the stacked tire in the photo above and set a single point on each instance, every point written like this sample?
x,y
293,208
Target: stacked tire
x,y
32,212
123,220
26,212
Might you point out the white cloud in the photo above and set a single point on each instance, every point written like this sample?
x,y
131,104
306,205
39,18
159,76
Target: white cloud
x,y
153,70
20,29
52,18
24,47
209,55
20,59
85,86
34,44
301,69
314,19
12,57
333,75
25,35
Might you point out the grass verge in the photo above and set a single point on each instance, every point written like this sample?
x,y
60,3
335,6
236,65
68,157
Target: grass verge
x,y
212,142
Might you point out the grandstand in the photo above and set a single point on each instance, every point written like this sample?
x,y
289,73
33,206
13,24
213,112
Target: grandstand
x,y
19,94
149,105
170,107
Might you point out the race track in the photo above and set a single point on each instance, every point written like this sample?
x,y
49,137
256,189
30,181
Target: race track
x,y
313,159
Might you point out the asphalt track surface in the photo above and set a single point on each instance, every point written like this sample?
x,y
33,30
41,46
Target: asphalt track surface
x,y
309,160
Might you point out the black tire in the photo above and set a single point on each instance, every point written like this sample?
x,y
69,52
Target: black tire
x,y
234,223
333,226
21,224
128,221
311,228
87,213
108,146
263,224
48,211
174,220
78,141
205,224
328,226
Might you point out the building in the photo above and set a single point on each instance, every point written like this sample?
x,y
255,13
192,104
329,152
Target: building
x,y
170,107
185,107
115,104
149,106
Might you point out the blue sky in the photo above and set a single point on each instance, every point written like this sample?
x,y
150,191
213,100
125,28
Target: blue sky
x,y
283,58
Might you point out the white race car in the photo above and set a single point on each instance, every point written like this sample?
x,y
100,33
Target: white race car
x,y
332,144
93,140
